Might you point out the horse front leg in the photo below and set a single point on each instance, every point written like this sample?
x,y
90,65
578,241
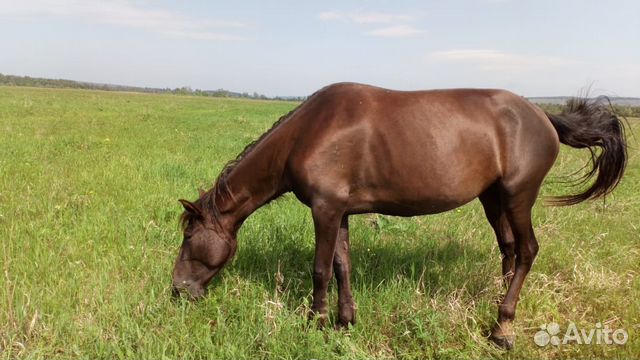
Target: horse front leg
x,y
326,219
342,269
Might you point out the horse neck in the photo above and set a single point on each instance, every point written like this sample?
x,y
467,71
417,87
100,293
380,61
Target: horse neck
x,y
254,181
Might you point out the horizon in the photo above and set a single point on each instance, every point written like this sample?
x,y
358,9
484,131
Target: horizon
x,y
287,49
252,94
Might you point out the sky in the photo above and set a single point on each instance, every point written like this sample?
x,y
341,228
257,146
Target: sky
x,y
292,48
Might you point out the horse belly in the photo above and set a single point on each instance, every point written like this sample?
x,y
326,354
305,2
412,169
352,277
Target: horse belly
x,y
414,178
424,198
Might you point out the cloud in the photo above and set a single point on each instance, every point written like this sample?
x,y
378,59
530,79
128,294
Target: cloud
x,y
397,24
330,15
125,14
364,18
487,59
398,31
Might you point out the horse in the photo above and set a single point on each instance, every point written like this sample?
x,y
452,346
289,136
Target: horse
x,y
353,148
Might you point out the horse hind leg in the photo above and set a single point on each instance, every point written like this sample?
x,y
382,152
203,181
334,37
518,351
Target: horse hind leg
x,y
517,207
494,209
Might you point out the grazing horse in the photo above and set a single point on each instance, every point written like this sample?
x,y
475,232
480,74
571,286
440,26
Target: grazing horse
x,y
353,149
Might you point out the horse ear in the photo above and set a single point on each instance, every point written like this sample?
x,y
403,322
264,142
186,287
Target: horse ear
x,y
191,207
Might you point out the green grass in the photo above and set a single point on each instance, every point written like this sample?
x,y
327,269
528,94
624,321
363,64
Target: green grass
x,y
89,183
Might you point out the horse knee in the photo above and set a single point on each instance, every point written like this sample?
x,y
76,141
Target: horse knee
x,y
321,275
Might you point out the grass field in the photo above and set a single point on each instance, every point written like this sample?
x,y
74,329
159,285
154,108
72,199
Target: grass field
x,y
89,183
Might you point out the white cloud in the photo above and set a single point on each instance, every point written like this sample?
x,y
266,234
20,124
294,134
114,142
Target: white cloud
x,y
364,18
379,18
126,14
487,59
397,24
398,31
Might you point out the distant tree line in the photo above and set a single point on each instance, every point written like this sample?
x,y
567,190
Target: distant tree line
x,y
12,80
621,110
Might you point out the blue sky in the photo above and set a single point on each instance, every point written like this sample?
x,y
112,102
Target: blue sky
x,y
533,48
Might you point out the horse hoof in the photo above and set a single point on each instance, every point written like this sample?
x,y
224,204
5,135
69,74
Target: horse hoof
x,y
320,319
344,325
503,341
347,317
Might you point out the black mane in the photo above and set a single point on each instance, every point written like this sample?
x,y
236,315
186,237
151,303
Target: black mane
x,y
206,201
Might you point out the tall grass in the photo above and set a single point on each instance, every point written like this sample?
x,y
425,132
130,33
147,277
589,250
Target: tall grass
x,y
89,227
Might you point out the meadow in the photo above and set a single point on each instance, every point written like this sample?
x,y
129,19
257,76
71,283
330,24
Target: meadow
x,y
89,183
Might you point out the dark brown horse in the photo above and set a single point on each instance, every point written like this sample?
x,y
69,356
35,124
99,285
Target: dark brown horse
x,y
353,149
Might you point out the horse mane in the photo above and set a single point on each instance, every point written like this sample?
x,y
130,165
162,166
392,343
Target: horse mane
x,y
230,165
206,202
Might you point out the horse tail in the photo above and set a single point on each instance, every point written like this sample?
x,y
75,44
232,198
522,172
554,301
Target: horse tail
x,y
592,123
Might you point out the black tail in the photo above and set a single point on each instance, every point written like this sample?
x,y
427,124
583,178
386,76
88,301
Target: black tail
x,y
591,124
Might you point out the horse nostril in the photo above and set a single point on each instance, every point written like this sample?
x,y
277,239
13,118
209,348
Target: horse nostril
x,y
180,286
181,283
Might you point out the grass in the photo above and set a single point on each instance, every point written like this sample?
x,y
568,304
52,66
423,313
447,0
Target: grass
x,y
89,227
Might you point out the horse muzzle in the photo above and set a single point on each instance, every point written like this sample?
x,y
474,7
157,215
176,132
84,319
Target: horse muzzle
x,y
193,290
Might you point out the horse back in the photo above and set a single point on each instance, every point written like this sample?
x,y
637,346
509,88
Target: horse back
x,y
417,152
